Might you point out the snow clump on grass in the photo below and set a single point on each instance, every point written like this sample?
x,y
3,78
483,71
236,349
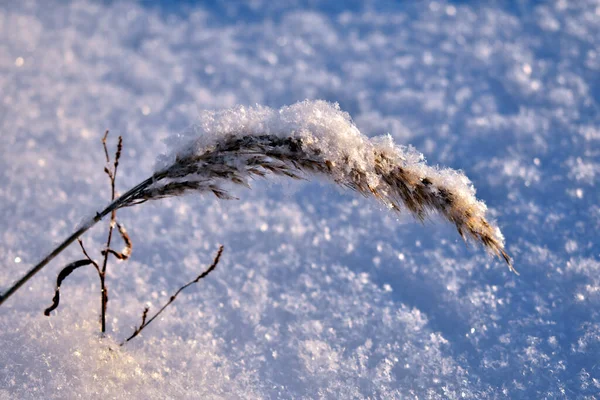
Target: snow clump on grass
x,y
316,138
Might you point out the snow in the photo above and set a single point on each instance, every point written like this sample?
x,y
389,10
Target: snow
x,y
320,294
237,144
312,121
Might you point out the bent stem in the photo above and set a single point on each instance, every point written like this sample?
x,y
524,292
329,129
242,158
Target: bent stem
x,y
146,321
115,205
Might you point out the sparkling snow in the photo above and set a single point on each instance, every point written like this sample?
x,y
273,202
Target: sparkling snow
x,y
320,294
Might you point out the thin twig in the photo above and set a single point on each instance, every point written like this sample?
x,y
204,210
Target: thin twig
x,y
174,296
123,201
112,175
64,273
103,288
85,253
126,252
105,148
70,268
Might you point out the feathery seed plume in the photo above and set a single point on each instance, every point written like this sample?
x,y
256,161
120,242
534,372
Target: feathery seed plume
x,y
316,137
310,137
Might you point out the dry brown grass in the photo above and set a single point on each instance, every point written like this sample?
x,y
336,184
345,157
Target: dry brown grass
x,y
372,167
236,158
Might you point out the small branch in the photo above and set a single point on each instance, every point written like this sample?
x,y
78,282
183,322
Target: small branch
x,y
105,148
126,252
63,274
112,175
174,296
103,288
85,253
139,329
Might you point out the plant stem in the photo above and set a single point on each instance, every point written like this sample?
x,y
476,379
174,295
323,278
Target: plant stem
x,y
112,175
116,204
203,275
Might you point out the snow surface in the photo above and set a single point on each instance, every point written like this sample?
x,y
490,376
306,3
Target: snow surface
x,y
320,294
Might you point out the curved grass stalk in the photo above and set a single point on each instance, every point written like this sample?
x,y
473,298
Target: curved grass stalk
x,y
308,138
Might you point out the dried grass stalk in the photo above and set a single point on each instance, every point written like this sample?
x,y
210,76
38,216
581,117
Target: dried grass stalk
x,y
308,138
400,184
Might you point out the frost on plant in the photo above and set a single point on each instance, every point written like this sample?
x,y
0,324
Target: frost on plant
x,y
307,138
316,137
